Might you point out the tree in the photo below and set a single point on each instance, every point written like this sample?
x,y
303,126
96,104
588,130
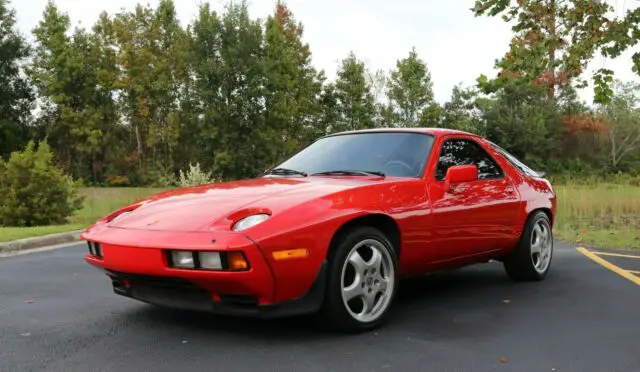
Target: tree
x,y
411,93
623,121
355,102
67,71
207,68
555,39
293,85
461,112
15,92
153,57
523,121
229,68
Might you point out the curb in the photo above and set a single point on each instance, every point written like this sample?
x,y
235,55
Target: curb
x,y
40,241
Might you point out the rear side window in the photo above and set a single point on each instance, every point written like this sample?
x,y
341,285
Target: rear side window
x,y
514,161
466,152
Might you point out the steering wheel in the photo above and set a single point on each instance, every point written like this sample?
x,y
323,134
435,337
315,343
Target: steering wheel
x,y
401,163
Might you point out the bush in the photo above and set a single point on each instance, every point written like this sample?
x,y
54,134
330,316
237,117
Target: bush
x,y
33,191
160,177
195,176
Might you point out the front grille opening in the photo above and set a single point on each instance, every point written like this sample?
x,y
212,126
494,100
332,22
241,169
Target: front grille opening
x,y
95,249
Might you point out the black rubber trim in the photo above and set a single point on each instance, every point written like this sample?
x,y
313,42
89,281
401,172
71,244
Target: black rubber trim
x,y
266,261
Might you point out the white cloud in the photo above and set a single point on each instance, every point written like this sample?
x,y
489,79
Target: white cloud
x,y
456,46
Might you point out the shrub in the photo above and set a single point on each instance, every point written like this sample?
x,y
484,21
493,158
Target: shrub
x,y
195,176
33,191
160,177
117,180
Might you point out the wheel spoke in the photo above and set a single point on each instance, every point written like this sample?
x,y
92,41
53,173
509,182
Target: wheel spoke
x,y
536,247
537,230
382,285
369,302
376,260
354,290
545,235
357,262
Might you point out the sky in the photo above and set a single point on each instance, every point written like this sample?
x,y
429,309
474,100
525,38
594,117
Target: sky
x,y
456,46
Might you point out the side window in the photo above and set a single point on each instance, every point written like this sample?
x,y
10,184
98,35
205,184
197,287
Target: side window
x,y
466,152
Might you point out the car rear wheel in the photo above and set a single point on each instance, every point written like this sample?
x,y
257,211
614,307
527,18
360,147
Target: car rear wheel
x,y
362,280
531,259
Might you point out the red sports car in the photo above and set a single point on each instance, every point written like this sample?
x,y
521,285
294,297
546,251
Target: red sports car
x,y
333,228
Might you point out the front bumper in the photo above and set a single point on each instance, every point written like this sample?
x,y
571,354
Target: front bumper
x,y
137,264
183,294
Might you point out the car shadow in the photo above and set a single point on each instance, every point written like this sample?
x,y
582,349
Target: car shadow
x,y
466,302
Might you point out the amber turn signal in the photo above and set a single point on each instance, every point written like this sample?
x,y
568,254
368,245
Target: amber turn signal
x,y
236,261
290,253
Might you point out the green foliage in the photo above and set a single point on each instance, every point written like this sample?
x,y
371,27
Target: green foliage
x,y
354,101
463,111
194,176
15,92
555,39
411,93
524,123
623,122
138,97
33,191
79,113
292,83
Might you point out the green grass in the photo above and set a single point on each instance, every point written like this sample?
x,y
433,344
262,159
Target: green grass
x,y
98,203
13,233
602,215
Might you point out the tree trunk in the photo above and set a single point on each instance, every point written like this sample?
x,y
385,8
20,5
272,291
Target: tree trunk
x,y
552,49
612,138
139,142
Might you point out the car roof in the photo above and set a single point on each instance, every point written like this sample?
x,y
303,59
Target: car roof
x,y
433,131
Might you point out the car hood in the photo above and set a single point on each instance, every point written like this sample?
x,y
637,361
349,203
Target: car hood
x,y
202,207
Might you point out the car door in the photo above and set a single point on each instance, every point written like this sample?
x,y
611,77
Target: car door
x,y
471,217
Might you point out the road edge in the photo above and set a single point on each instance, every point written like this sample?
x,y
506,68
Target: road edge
x,y
40,241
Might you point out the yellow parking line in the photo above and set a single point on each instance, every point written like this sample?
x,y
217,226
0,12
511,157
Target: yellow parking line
x,y
634,272
622,272
616,254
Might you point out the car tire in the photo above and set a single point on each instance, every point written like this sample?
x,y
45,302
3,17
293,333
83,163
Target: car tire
x,y
531,258
371,282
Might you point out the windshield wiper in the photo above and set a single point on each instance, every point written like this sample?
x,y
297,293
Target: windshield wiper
x,y
350,173
286,171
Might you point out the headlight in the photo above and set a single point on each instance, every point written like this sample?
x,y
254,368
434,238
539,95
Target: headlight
x,y
250,221
182,259
210,260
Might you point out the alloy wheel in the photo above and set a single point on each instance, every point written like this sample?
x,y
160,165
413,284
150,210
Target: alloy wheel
x,y
367,280
541,246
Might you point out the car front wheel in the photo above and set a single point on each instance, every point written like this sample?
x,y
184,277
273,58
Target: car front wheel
x,y
531,259
362,281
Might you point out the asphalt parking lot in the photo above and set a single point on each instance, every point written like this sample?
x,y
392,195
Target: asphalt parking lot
x,y
59,314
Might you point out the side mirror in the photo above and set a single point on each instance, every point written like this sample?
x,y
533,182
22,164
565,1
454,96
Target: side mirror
x,y
460,173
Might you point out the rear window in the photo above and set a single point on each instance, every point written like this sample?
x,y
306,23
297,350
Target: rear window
x,y
514,161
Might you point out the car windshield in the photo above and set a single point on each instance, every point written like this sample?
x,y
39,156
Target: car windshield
x,y
394,154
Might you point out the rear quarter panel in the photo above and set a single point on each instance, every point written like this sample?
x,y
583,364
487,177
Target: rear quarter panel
x,y
535,193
